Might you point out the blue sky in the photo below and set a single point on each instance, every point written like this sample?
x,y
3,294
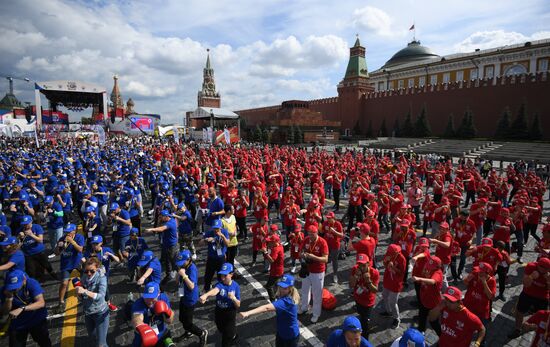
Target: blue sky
x,y
263,52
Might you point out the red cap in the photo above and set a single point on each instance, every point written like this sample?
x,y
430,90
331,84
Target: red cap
x,y
370,197
363,228
397,188
312,229
370,213
485,267
434,262
423,241
274,227
483,200
544,263
297,226
362,258
393,249
444,225
486,242
453,294
330,215
273,238
505,210
405,223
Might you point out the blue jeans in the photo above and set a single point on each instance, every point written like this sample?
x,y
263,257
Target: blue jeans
x,y
97,325
55,234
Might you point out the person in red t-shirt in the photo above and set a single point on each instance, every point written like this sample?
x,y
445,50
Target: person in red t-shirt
x,y
458,323
478,211
430,280
364,284
332,232
482,287
259,233
366,245
314,252
405,237
354,207
428,207
296,237
441,212
419,259
394,263
464,230
535,294
443,249
290,215
276,257
540,323
502,269
241,204
534,214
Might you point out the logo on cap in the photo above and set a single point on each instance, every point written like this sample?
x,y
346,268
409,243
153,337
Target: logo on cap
x,y
451,291
14,279
151,290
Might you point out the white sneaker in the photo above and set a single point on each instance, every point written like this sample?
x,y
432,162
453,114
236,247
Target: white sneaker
x,y
51,256
194,257
335,279
314,319
293,270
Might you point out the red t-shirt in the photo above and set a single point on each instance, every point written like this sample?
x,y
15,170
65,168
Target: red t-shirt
x,y
430,294
476,300
259,233
502,230
488,255
538,288
464,232
405,241
278,266
362,295
542,337
333,241
441,215
393,280
318,248
458,328
365,246
494,210
444,253
296,239
396,206
240,209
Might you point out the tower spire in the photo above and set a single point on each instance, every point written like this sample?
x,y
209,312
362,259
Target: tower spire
x,y
116,98
208,58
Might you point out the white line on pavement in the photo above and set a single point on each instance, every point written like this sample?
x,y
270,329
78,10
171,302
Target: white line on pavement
x,y
304,331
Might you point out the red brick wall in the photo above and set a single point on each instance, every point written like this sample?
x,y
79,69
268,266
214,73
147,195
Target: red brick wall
x,y
486,101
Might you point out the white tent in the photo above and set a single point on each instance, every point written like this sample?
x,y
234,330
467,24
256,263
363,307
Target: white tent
x,y
218,113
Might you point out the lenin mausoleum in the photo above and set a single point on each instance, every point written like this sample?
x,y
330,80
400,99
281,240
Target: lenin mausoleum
x,y
484,82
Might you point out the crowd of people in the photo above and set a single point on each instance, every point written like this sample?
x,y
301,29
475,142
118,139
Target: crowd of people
x,y
96,209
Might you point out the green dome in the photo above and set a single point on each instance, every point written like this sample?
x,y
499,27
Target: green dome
x,y
412,53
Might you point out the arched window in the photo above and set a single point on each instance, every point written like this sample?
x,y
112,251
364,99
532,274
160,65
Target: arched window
x,y
516,69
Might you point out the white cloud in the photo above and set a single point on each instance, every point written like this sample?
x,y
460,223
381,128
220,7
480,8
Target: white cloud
x,y
496,38
315,88
375,21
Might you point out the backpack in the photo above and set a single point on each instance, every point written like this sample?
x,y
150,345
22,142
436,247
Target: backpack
x,y
329,300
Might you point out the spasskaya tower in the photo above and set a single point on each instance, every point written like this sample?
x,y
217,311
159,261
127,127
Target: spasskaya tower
x,y
208,96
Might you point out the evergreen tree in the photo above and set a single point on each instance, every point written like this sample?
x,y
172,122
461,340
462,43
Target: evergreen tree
x,y
383,129
369,129
407,129
472,130
535,131
265,135
396,132
467,129
257,135
503,125
357,129
299,137
290,135
450,129
421,126
519,130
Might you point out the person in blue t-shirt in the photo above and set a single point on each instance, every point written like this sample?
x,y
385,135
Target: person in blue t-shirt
x,y
349,335
152,312
286,307
91,226
66,200
15,257
54,213
133,250
217,239
22,298
215,208
149,268
36,260
185,227
188,291
70,247
169,244
121,227
228,300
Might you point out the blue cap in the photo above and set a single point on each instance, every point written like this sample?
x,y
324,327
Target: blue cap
x,y
151,290
217,224
61,187
89,209
69,227
146,257
48,199
26,220
10,240
134,231
114,206
226,269
351,323
412,337
97,239
19,184
286,281
86,192
165,213
14,280
181,205
182,257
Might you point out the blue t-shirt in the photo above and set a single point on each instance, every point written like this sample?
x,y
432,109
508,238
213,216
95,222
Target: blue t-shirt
x,y
70,257
215,205
157,271
135,249
55,222
170,235
123,229
216,249
149,316
189,297
184,226
337,339
287,318
30,245
24,297
18,258
105,259
222,300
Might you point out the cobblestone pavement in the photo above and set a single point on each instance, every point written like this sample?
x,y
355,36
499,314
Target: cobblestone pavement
x,y
260,330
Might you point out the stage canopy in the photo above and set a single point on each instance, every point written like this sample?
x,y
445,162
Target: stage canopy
x,y
219,113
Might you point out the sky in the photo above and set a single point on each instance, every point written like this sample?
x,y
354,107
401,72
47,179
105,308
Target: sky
x,y
263,52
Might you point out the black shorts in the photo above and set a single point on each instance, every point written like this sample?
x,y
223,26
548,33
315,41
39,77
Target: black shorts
x,y
528,303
